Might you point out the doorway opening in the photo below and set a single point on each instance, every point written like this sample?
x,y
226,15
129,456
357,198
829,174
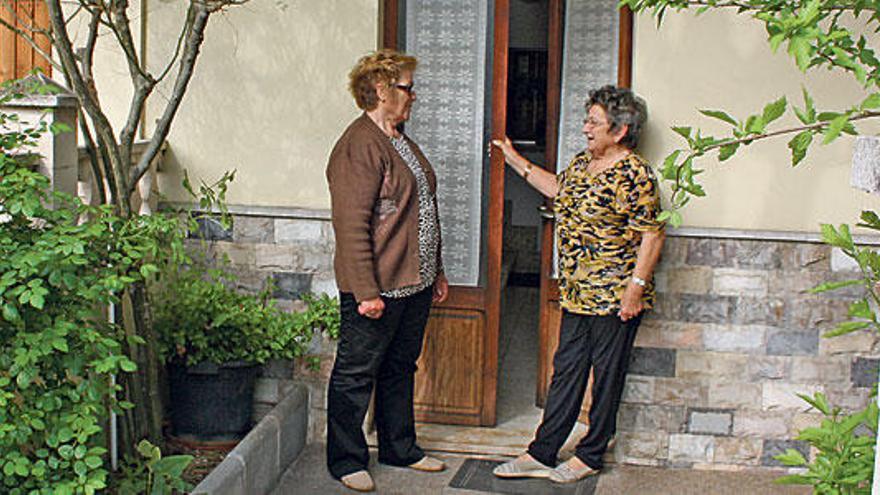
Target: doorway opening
x,y
517,415
521,253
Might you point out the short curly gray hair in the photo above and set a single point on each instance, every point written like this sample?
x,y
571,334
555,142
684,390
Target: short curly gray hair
x,y
622,107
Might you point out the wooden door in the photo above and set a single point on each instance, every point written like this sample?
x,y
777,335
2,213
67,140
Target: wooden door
x,y
458,371
17,56
550,312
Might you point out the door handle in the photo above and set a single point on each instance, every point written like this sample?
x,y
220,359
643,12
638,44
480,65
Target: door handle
x,y
546,213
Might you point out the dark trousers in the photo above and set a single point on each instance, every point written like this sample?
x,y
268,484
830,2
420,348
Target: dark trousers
x,y
603,342
383,352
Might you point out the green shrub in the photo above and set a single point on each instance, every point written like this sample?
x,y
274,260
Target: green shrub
x,y
200,318
844,462
153,474
57,351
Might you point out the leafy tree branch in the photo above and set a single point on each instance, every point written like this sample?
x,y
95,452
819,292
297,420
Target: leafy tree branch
x,y
817,33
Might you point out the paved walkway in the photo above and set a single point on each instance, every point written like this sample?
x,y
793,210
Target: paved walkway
x,y
470,476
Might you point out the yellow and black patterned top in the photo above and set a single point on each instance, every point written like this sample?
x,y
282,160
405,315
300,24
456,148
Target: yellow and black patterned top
x,y
599,221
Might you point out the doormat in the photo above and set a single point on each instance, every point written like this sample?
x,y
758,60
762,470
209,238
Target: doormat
x,y
476,474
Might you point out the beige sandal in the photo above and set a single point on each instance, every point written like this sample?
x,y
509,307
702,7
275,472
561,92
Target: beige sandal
x,y
359,481
428,464
522,467
564,473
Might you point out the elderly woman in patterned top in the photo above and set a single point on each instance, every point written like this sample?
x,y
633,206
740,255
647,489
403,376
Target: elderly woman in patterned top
x,y
388,270
609,241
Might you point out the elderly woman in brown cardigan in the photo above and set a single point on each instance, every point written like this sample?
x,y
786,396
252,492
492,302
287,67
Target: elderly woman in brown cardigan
x,y
388,270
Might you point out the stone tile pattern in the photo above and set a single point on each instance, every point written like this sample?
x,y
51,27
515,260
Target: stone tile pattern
x,y
296,254
734,337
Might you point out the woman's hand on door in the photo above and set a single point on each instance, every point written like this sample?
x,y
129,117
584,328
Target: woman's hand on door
x,y
441,289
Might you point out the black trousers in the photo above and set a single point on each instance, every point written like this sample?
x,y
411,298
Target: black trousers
x,y
383,352
605,343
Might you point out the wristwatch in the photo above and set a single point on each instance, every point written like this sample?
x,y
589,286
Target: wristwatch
x,y
639,281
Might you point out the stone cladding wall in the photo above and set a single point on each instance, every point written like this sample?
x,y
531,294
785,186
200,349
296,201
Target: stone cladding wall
x,y
717,365
733,339
297,254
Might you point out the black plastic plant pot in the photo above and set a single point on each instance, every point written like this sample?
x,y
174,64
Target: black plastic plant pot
x,y
211,402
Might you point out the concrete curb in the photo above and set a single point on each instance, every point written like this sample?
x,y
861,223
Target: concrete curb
x,y
256,464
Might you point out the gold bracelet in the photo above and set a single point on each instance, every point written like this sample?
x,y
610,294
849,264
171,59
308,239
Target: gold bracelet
x,y
526,172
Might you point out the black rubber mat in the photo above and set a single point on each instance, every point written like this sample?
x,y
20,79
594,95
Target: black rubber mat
x,y
476,474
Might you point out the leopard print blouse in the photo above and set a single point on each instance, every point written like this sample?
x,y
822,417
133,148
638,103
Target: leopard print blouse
x,y
429,226
599,225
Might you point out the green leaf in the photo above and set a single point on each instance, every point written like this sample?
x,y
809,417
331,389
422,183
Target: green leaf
x,y
65,451
128,365
871,102
831,236
158,486
684,132
835,127
60,344
828,286
869,219
720,115
59,127
727,151
799,47
798,146
793,479
754,124
809,107
791,457
861,309
10,313
773,111
173,465
845,328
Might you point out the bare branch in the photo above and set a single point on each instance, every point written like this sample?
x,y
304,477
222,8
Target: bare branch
x,y
121,27
102,126
173,60
197,16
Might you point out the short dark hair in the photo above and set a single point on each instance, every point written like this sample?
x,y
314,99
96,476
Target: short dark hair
x,y
622,107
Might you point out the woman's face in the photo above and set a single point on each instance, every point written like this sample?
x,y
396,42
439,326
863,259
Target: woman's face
x,y
597,129
399,97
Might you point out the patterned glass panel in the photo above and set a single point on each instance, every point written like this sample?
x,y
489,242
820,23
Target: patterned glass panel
x,y
449,38
589,60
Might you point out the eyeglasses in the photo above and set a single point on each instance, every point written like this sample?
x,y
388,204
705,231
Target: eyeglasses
x,y
593,122
406,88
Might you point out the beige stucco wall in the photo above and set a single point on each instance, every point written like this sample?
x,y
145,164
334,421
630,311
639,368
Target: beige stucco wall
x,y
268,97
723,61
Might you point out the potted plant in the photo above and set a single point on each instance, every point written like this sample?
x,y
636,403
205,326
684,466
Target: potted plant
x,y
213,338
